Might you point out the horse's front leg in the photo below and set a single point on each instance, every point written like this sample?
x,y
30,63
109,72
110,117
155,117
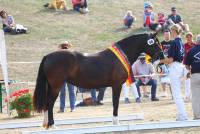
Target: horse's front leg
x,y
116,91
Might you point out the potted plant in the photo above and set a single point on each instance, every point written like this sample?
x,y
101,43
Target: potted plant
x,y
21,101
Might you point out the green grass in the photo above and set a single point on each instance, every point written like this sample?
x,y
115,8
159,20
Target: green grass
x,y
88,33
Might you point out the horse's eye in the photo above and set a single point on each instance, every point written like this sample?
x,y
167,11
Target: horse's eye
x,y
150,42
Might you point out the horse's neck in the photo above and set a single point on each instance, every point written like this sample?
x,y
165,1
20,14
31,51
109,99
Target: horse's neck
x,y
132,48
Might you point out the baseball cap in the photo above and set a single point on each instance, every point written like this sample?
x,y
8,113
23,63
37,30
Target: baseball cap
x,y
142,55
173,9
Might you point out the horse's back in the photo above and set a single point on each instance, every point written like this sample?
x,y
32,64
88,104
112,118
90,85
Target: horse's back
x,y
91,70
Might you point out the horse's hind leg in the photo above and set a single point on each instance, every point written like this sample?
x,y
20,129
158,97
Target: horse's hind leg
x,y
116,91
52,95
45,121
51,101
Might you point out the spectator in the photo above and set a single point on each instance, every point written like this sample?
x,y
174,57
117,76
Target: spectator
x,y
98,100
8,22
66,45
129,19
161,19
9,25
94,100
165,79
57,4
176,19
126,88
187,46
149,17
80,6
140,67
193,64
176,70
166,42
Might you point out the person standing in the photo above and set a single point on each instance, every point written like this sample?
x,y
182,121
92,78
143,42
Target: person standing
x,y
71,97
176,70
187,46
66,45
192,62
165,80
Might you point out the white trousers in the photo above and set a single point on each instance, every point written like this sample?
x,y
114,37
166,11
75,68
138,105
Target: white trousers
x,y
187,88
176,72
126,88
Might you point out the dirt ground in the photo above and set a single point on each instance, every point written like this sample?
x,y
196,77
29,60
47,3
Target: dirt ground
x,y
88,33
163,110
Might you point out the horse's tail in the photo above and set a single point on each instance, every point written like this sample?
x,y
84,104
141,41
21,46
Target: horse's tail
x,y
40,93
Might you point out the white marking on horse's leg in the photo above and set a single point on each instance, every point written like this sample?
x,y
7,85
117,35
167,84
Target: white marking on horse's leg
x,y
45,122
52,127
115,120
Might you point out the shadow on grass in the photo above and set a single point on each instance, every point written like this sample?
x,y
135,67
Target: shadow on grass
x,y
57,12
121,29
134,31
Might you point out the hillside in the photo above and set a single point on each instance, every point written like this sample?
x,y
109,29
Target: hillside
x,y
88,33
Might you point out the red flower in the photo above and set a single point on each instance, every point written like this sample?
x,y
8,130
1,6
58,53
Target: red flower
x,y
6,99
26,110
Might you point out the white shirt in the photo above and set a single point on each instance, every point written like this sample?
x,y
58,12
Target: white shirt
x,y
143,69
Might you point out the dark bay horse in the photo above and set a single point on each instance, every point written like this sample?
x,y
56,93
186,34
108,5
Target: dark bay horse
x,y
98,70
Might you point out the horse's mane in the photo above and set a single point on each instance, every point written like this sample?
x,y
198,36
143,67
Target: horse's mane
x,y
134,38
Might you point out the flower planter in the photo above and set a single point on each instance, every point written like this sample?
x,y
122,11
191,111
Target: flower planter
x,y
23,114
21,101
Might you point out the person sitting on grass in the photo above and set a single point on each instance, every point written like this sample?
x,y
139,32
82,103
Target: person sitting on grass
x,y
57,4
149,17
162,20
129,19
80,6
176,19
8,21
9,25
94,99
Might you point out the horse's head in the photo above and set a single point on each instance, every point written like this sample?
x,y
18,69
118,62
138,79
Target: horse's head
x,y
153,47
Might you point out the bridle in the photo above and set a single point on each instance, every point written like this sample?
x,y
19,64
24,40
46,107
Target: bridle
x,y
160,54
157,42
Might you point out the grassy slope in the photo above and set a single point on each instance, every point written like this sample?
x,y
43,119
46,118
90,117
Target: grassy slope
x,y
89,33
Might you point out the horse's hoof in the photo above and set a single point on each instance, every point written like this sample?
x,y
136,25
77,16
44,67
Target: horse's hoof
x,y
53,127
45,126
116,121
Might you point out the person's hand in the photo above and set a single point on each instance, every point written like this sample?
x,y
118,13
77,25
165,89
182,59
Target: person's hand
x,y
150,76
156,63
188,75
